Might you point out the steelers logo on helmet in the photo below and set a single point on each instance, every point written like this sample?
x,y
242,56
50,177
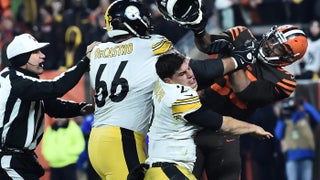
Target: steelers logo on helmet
x,y
132,12
125,17
283,45
184,12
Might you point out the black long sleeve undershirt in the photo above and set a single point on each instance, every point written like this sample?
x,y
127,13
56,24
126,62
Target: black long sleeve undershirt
x,y
205,71
205,118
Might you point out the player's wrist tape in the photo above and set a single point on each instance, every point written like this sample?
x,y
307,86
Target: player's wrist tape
x,y
235,62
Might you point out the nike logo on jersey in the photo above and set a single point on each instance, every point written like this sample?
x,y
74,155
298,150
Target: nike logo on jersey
x,y
182,89
188,95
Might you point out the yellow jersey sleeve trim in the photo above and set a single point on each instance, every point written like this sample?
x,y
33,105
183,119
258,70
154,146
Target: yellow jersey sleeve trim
x,y
185,105
162,47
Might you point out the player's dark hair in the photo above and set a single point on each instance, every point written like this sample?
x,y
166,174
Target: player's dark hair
x,y
20,59
168,64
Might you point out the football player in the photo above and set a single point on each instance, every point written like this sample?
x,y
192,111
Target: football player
x,y
178,115
122,75
241,92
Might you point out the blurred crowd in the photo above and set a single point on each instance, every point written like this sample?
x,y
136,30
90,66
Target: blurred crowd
x,y
67,25
70,25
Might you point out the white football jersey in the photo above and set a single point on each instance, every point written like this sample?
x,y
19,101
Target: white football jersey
x,y
170,134
312,56
123,76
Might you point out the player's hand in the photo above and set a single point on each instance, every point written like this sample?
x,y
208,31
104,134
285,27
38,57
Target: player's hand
x,y
90,48
220,46
261,134
245,55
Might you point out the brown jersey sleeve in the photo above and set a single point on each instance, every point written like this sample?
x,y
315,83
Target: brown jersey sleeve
x,y
271,84
239,35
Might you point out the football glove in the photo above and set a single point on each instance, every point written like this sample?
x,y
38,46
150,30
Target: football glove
x,y
220,46
244,55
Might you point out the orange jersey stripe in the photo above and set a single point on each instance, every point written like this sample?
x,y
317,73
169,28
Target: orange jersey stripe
x,y
219,89
250,76
240,104
292,83
285,87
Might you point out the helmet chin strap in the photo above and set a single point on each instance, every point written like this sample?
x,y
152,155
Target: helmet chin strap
x,y
131,29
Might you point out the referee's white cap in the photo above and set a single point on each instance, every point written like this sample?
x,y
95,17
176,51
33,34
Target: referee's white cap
x,y
23,43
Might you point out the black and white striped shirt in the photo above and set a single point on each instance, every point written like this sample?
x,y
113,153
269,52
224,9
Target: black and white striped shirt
x,y
24,99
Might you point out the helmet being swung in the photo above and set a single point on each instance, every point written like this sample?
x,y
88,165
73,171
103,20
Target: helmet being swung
x,y
183,12
127,17
282,45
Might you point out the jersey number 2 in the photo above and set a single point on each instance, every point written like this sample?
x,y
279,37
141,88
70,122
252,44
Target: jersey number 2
x,y
102,90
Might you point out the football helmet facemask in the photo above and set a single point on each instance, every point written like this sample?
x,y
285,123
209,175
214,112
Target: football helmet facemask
x,y
183,12
127,17
282,45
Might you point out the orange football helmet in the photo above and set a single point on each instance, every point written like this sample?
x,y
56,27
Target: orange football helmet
x,y
282,45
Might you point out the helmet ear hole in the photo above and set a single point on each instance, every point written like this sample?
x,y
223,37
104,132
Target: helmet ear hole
x,y
117,22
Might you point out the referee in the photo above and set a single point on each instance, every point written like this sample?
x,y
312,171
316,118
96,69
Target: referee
x,y
24,100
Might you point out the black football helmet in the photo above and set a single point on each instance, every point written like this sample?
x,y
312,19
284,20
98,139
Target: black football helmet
x,y
127,17
282,45
183,12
